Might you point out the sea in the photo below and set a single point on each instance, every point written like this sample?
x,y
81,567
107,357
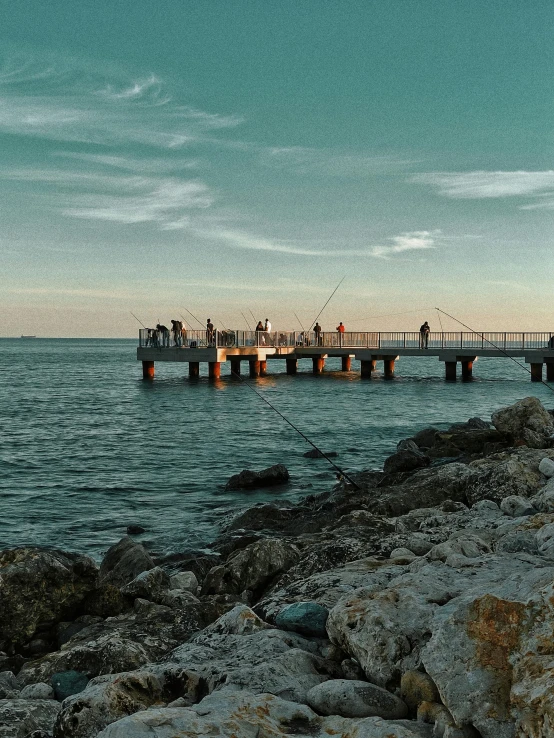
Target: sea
x,y
87,447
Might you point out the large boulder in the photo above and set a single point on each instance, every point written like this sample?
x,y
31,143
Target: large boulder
x,y
472,623
274,475
353,698
40,587
150,585
308,618
19,718
123,562
526,420
244,715
252,568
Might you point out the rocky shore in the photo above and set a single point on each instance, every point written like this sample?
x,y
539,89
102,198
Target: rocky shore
x,y
419,604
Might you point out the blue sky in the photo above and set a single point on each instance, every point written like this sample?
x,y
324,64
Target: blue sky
x,y
228,157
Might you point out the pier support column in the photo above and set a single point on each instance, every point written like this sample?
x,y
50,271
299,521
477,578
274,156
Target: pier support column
x,y
235,368
148,370
292,366
263,368
214,369
346,361
388,366
194,369
373,364
536,372
365,369
254,369
318,363
550,372
467,369
450,371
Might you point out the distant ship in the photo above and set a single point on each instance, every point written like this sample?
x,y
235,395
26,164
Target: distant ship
x,y
28,336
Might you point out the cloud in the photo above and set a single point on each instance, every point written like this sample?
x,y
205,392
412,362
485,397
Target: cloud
x,y
411,241
483,184
147,164
67,102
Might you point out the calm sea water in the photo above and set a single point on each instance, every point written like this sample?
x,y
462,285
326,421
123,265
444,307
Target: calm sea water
x,y
87,447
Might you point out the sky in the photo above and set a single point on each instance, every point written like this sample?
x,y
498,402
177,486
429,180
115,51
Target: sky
x,y
240,157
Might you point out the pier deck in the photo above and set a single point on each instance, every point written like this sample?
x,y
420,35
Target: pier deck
x,y
451,348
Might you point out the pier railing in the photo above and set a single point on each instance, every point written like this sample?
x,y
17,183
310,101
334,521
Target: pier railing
x,y
506,341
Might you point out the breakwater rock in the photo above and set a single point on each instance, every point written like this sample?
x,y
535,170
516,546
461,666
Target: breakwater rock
x,y
417,604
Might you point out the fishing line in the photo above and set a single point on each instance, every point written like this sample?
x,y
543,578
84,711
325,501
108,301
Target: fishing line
x,y
482,337
440,321
387,315
245,320
328,301
338,469
298,319
140,321
194,316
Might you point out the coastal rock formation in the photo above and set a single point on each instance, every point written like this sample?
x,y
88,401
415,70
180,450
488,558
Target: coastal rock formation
x,y
274,475
417,605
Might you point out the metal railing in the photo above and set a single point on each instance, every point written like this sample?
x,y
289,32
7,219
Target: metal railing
x,y
506,341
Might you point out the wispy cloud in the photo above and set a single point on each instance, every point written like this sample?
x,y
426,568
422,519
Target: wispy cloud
x,y
146,164
483,184
411,241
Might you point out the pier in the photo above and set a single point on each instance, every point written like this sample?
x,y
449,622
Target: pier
x,y
256,348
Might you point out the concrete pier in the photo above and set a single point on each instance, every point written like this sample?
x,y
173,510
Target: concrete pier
x,y
258,348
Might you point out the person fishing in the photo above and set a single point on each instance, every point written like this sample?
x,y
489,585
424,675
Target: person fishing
x,y
317,331
259,330
176,331
424,335
163,332
209,331
340,329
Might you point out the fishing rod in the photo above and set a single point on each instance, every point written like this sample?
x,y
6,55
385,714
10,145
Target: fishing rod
x,y
329,300
298,319
440,321
337,468
482,337
194,316
387,315
140,321
253,316
245,320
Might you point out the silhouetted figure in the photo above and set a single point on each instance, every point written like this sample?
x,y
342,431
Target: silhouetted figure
x,y
209,331
424,335
317,331
259,332
163,332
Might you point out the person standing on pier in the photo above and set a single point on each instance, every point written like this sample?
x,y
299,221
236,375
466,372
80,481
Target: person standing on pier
x,y
259,330
267,329
209,331
340,329
163,331
317,331
424,335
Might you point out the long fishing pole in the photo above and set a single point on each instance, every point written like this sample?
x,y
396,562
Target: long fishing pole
x,y
140,321
298,319
482,337
252,314
329,300
440,321
338,469
246,320
194,316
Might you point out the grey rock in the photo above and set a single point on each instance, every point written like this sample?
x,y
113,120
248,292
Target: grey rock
x,y
123,562
20,718
526,419
355,699
274,475
417,687
518,541
308,618
185,580
402,553
545,540
546,467
244,715
179,598
252,568
517,506
38,691
9,686
149,585
425,438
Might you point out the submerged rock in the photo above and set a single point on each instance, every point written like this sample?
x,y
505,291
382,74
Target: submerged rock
x,y
316,454
274,475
